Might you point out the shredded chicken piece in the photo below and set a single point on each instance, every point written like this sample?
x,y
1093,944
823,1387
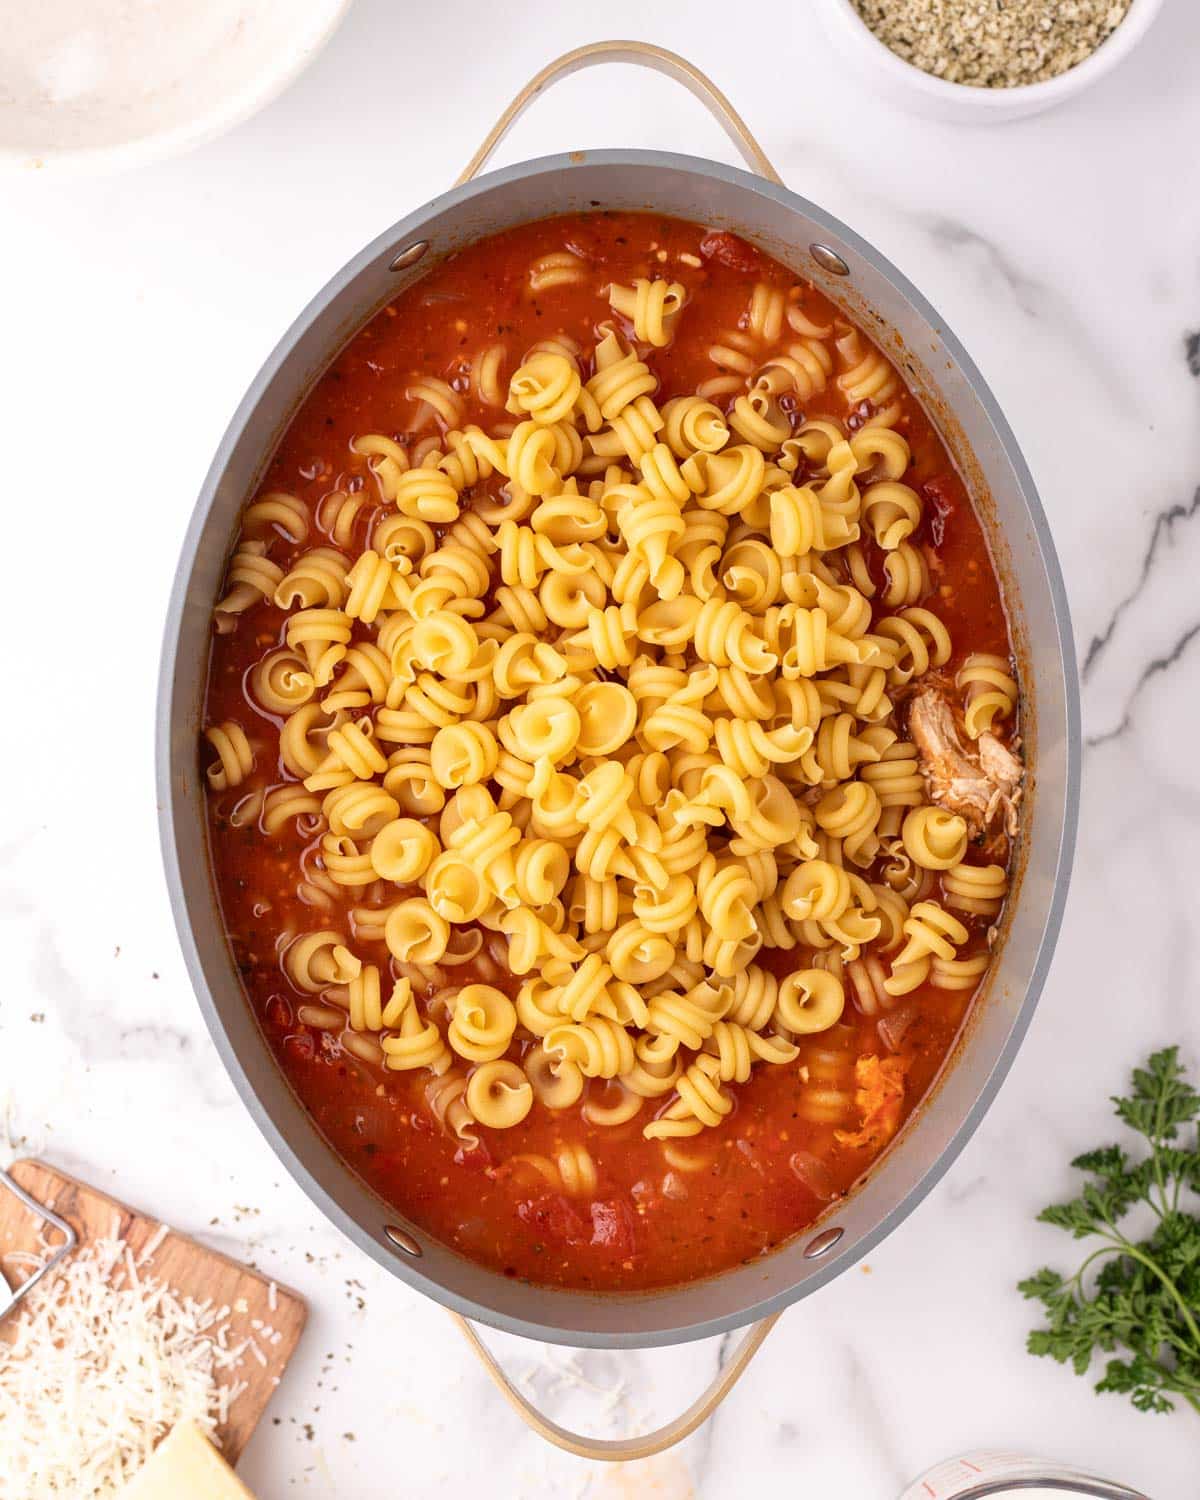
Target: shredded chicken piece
x,y
980,789
999,764
879,1099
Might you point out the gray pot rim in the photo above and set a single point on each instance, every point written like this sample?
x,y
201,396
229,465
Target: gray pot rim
x,y
410,1271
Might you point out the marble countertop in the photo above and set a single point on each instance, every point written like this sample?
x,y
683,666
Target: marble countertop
x,y
1065,251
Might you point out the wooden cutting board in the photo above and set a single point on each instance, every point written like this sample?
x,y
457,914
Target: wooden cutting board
x,y
183,1264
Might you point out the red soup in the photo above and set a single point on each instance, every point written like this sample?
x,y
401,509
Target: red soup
x,y
611,734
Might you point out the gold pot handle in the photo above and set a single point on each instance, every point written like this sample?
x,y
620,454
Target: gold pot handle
x,y
613,1450
697,83
645,56
735,128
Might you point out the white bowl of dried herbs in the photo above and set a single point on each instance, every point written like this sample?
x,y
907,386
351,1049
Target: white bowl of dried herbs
x,y
983,60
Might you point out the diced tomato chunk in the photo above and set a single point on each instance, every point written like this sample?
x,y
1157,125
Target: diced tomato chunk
x,y
613,1226
279,1013
551,1215
299,1046
477,1156
943,492
730,251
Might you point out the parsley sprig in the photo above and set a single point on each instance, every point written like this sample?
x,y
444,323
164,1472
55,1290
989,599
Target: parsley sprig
x,y
1136,1297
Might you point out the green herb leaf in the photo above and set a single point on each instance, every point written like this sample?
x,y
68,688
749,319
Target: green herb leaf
x,y
1139,1299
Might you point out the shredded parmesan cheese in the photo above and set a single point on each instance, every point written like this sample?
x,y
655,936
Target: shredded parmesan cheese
x,y
101,1364
153,1243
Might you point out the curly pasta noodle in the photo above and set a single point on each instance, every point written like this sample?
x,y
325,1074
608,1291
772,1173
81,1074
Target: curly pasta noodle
x,y
650,307
592,718
251,576
934,838
556,269
571,1171
976,889
867,380
989,692
341,515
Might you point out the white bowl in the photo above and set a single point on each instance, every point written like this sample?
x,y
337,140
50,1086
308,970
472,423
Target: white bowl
x,y
100,85
909,86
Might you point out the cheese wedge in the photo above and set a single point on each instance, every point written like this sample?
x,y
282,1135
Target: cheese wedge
x,y
185,1466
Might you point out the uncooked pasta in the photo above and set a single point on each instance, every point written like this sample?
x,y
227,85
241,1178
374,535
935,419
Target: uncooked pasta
x,y
606,705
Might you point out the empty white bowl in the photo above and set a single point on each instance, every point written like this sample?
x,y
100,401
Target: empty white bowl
x,y
907,85
99,85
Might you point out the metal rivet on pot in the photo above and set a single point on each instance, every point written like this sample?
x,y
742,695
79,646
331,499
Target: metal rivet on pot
x,y
402,1239
822,1242
409,256
829,260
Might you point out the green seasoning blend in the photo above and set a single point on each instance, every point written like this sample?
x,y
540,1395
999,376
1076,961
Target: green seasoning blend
x,y
993,44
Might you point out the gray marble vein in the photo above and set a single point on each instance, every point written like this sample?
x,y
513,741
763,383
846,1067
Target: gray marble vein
x,y
1034,298
1154,668
1162,533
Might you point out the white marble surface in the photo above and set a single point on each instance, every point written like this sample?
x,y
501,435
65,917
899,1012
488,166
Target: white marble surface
x,y
1065,252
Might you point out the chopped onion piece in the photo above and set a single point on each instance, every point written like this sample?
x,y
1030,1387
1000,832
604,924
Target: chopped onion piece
x,y
894,1026
815,1175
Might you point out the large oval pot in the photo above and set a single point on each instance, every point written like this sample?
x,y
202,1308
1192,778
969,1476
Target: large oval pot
x,y
939,371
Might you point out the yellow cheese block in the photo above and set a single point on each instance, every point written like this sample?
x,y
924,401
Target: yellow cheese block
x,y
186,1466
